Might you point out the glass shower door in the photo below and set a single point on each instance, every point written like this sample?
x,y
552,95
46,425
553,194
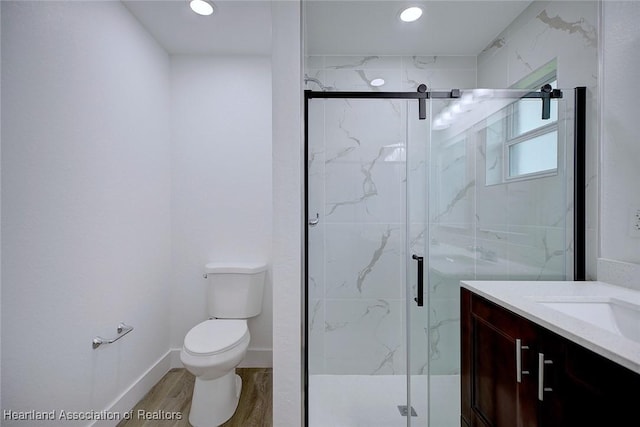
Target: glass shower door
x,y
500,208
482,190
360,158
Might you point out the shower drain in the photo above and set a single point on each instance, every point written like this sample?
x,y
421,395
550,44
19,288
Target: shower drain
x,y
404,411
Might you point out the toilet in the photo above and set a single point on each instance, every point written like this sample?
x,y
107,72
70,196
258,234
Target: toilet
x,y
212,349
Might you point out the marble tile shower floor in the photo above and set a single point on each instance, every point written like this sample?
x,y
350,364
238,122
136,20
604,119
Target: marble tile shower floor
x,y
173,394
372,400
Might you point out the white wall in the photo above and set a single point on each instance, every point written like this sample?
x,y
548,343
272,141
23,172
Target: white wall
x,y
85,203
0,211
619,195
287,207
221,183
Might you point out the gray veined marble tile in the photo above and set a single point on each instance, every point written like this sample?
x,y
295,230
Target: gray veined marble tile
x,y
537,253
362,62
555,250
580,27
316,336
523,61
419,344
315,317
444,336
387,364
497,44
438,62
364,191
439,78
368,186
346,131
375,257
418,234
360,79
364,337
316,80
460,195
423,62
338,63
362,125
363,261
313,61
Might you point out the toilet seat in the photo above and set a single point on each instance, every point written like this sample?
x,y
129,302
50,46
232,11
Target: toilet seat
x,y
215,336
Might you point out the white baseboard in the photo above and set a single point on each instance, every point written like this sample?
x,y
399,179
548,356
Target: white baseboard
x,y
137,390
175,358
255,358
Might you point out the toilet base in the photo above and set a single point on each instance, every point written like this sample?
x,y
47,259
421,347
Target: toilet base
x,y
215,401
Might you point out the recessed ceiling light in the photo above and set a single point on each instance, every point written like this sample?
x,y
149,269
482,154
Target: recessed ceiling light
x,y
377,82
411,14
201,7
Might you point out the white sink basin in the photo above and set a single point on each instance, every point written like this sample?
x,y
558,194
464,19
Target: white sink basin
x,y
617,316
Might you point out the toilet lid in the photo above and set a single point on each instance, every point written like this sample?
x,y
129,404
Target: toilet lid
x,y
215,336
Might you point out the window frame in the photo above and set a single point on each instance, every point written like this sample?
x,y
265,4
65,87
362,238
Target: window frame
x,y
511,139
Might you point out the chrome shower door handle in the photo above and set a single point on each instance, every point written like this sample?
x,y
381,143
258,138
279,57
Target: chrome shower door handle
x,y
420,298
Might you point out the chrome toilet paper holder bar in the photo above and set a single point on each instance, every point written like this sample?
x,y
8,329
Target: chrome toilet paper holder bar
x,y
123,329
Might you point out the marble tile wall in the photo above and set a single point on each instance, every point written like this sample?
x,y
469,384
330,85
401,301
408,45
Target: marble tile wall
x,y
401,73
358,164
565,31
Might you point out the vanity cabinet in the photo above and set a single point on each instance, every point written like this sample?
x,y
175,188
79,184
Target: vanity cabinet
x,y
516,373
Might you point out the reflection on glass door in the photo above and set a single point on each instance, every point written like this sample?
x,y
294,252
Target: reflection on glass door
x,y
358,243
500,208
478,191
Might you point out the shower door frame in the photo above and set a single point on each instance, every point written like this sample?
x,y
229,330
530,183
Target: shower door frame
x,y
579,187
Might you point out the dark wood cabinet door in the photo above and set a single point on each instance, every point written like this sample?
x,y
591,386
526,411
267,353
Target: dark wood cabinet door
x,y
566,385
492,394
591,391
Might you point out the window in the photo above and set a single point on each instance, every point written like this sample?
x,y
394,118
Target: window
x,y
518,143
532,143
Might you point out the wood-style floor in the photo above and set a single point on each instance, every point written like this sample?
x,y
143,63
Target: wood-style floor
x,y
172,395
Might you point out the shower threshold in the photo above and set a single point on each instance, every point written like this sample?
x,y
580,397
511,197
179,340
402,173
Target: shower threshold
x,y
370,400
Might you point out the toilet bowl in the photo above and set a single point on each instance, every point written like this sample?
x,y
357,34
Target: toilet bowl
x,y
211,351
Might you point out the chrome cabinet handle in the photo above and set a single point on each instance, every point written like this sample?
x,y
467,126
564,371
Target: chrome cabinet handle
x,y
519,348
541,387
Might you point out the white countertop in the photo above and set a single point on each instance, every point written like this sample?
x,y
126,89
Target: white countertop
x,y
521,297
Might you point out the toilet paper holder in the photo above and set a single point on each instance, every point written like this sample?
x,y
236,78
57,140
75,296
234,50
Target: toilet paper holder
x,y
123,329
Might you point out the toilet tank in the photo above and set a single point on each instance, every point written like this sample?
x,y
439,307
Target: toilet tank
x,y
235,290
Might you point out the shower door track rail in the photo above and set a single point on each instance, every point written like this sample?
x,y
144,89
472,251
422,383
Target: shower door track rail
x,y
452,94
546,94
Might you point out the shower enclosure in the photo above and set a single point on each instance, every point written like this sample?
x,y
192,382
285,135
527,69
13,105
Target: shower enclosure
x,y
406,195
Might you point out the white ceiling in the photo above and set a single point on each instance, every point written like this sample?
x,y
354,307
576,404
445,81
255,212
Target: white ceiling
x,y
334,27
237,27
452,27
